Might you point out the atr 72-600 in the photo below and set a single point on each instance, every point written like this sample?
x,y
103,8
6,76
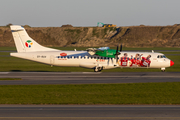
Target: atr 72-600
x,y
94,58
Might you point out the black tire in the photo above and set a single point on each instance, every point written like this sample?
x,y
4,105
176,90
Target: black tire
x,y
98,69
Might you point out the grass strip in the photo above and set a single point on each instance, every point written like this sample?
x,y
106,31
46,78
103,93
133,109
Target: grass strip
x,y
131,93
10,78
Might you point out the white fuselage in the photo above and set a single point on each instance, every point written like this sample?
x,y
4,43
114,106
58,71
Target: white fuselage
x,y
84,59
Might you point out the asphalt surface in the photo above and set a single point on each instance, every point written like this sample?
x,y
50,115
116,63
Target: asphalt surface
x,y
30,78
90,112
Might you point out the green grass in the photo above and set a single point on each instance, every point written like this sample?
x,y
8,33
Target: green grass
x,y
177,52
10,79
131,93
4,53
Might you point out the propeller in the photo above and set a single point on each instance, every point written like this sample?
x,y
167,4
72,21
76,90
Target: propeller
x,y
118,53
120,48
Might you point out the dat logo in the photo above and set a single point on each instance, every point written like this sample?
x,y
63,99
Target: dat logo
x,y
28,43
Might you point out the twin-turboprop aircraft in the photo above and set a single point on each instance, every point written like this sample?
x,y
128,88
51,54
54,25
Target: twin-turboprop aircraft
x,y
94,58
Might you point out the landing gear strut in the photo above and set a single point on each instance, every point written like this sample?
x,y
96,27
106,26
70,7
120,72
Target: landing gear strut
x,y
98,69
163,69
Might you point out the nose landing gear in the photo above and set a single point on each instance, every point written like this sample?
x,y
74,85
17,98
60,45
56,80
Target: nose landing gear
x,y
163,69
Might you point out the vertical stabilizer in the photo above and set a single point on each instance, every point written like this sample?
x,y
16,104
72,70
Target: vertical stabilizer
x,y
24,43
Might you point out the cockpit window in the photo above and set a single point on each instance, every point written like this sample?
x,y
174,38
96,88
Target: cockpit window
x,y
164,56
161,56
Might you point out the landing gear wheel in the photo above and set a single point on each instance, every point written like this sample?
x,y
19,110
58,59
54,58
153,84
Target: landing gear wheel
x,y
98,69
162,69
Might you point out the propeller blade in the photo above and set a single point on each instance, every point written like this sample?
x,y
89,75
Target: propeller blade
x,y
117,52
120,48
116,57
117,49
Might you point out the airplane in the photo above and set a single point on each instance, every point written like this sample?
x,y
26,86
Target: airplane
x,y
29,49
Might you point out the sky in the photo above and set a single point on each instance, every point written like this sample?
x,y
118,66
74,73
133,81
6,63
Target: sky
x,y
55,13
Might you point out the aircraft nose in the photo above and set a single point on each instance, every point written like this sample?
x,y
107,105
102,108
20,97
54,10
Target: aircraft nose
x,y
171,63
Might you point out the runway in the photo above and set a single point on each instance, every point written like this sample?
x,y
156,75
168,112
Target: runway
x,y
34,78
90,112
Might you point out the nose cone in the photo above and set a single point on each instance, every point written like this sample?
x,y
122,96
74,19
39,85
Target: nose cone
x,y
171,63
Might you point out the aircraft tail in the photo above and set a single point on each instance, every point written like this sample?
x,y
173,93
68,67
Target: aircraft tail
x,y
24,43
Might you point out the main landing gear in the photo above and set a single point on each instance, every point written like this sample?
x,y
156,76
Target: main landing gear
x,y
98,69
163,69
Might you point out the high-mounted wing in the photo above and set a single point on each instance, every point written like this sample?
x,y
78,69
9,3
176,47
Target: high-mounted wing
x,y
92,51
105,52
